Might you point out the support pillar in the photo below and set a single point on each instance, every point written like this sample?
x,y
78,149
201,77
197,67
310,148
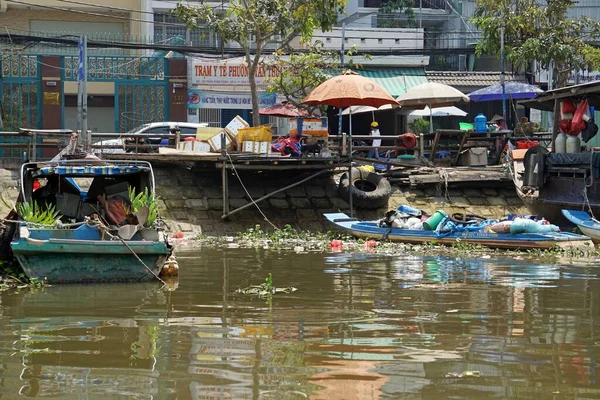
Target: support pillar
x,y
178,87
52,101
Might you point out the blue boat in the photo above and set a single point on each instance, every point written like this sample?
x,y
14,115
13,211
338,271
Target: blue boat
x,y
372,230
587,224
84,246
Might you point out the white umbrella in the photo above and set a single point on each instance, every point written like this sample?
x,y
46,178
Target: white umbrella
x,y
439,112
431,94
364,109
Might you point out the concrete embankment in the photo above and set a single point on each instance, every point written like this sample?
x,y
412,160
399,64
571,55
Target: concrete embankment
x,y
191,201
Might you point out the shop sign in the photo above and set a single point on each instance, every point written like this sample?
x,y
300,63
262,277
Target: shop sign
x,y
233,72
230,100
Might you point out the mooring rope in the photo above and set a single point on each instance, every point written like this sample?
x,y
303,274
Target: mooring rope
x,y
248,194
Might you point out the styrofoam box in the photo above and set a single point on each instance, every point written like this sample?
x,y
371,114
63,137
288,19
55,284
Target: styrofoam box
x,y
264,147
215,141
248,146
256,148
194,146
235,124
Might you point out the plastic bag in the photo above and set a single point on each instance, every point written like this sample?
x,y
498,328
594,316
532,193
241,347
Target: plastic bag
x,y
579,119
567,109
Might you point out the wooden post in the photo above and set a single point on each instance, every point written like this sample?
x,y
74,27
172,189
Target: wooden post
x,y
224,176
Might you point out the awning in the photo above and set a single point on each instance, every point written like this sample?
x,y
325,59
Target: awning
x,y
395,80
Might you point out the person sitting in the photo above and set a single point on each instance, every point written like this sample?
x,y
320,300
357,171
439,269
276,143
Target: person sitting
x,y
374,153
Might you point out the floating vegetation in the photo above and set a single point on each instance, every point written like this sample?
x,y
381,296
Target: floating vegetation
x,y
290,239
265,289
12,277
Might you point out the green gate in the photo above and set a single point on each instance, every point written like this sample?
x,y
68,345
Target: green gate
x,y
140,86
21,92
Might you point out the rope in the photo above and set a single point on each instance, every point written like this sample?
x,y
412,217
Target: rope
x,y
586,186
247,193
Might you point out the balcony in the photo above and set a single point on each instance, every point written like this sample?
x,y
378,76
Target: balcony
x,y
430,4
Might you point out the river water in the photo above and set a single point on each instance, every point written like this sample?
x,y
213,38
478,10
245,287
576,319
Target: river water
x,y
360,326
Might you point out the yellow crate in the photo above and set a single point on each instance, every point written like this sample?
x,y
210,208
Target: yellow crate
x,y
261,133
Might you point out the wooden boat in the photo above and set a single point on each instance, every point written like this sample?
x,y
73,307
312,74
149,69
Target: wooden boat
x,y
84,249
548,182
372,230
587,224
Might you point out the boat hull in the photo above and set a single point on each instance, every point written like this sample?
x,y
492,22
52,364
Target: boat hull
x,y
85,261
370,230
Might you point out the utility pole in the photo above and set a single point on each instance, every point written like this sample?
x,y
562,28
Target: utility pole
x,y
502,73
84,109
341,71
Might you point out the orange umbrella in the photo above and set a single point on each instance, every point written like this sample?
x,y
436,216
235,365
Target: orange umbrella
x,y
349,89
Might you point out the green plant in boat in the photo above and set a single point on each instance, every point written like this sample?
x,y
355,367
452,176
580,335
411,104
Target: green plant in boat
x,y
31,212
141,199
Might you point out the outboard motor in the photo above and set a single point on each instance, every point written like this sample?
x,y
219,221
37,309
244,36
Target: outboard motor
x,y
534,163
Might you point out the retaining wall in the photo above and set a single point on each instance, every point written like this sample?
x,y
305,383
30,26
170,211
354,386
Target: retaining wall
x,y
191,201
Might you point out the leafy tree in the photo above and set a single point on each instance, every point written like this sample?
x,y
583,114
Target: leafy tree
x,y
255,24
538,32
299,72
390,7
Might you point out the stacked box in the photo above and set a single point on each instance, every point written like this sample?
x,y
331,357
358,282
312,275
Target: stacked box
x,y
215,141
309,126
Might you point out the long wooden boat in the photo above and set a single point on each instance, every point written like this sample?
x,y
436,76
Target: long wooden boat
x,y
372,230
587,224
83,249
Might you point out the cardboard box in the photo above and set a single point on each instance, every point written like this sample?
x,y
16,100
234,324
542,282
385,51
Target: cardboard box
x,y
195,146
215,141
248,146
207,132
312,126
256,148
475,156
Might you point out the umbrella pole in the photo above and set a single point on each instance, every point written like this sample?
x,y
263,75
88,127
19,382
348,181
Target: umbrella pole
x,y
430,119
350,163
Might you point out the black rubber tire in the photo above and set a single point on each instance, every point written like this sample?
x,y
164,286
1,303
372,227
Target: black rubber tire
x,y
7,232
369,190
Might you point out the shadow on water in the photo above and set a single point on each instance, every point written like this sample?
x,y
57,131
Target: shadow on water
x,y
360,326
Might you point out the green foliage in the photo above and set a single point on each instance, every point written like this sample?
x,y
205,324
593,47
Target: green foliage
x,y
389,11
142,199
34,214
299,72
255,24
419,126
538,32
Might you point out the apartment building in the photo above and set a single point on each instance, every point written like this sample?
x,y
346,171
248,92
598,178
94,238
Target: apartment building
x,y
125,87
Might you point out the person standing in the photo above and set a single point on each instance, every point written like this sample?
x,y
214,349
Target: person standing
x,y
374,153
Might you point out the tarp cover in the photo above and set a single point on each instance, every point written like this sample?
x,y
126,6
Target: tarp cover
x,y
90,170
582,159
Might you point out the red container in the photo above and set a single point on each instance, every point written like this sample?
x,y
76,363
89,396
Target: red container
x,y
526,144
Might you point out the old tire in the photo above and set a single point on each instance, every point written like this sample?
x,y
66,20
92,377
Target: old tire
x,y
7,232
369,190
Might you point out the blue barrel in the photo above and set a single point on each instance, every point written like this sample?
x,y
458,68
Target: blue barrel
x,y
480,123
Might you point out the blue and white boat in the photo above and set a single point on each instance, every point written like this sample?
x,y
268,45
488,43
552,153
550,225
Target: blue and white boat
x,y
372,230
587,224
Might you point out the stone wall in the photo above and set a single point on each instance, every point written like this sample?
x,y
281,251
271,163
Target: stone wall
x,y
191,201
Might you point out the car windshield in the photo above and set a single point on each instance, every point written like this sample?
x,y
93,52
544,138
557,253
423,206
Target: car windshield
x,y
139,128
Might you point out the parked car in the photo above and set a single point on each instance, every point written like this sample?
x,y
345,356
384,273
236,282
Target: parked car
x,y
154,127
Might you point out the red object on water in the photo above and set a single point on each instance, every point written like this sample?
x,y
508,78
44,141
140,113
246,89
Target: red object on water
x,y
336,245
178,235
370,243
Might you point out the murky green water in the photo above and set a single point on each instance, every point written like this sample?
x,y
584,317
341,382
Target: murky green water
x,y
359,327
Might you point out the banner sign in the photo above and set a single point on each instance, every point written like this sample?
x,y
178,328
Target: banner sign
x,y
233,100
233,72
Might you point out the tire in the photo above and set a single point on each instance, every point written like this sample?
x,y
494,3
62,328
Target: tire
x,y
7,232
369,190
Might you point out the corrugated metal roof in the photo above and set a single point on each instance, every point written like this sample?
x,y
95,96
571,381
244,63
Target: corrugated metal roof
x,y
471,79
396,80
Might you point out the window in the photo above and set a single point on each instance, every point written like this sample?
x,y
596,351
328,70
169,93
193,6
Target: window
x,y
187,129
158,129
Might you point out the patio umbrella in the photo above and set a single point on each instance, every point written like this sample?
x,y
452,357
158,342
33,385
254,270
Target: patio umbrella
x,y
439,112
431,94
514,90
285,109
346,90
364,109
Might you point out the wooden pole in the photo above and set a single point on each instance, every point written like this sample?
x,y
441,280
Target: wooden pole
x,y
224,176
225,215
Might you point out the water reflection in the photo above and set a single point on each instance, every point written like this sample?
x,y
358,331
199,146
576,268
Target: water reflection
x,y
360,326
